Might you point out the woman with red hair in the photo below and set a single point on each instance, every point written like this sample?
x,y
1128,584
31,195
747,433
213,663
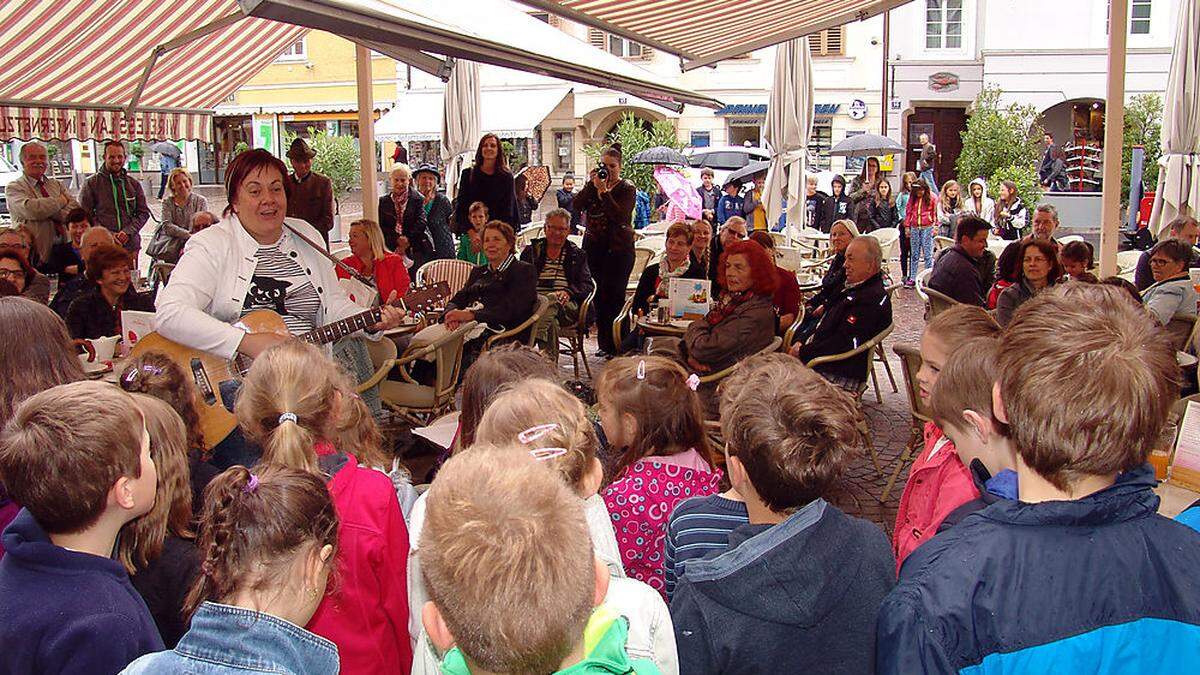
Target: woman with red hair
x,y
743,320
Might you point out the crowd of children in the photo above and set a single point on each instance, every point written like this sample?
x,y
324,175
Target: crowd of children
x,y
558,539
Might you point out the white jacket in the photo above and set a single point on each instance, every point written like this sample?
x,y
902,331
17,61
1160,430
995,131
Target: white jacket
x,y
651,633
987,209
208,287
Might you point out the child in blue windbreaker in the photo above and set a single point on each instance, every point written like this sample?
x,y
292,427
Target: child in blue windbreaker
x,y
730,203
1080,574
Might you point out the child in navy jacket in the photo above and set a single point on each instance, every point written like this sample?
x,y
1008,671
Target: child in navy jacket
x,y
1081,575
730,203
77,457
800,586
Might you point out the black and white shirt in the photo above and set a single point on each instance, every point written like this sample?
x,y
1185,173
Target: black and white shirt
x,y
280,285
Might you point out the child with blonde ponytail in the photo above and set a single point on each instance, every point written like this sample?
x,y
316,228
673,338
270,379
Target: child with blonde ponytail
x,y
291,404
268,542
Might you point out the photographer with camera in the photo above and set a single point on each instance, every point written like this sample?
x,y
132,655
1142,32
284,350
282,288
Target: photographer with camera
x,y
608,202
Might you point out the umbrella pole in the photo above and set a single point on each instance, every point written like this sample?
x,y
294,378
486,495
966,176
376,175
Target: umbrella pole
x,y
366,132
1114,124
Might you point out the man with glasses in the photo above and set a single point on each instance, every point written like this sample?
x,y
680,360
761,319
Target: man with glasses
x,y
563,275
13,239
1184,228
38,201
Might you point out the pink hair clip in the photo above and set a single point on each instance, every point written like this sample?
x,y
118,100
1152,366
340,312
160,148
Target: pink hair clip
x,y
251,485
534,433
693,382
543,454
641,370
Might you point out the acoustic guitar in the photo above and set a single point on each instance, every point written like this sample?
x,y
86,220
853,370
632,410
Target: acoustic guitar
x,y
208,371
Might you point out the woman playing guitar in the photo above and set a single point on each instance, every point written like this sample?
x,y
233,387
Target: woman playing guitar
x,y
251,260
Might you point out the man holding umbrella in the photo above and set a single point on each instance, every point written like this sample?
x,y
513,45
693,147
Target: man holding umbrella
x,y
310,195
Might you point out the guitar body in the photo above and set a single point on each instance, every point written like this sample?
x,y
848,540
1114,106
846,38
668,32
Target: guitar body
x,y
208,371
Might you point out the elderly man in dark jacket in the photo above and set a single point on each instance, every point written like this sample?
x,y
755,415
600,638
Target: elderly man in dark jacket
x,y
956,272
309,194
409,234
563,275
858,313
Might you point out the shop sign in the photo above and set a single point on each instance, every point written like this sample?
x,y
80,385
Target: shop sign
x,y
858,109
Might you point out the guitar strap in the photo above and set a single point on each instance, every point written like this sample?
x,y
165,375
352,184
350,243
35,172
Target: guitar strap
x,y
354,274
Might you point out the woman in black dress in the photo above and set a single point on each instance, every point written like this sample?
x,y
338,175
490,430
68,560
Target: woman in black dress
x,y
489,181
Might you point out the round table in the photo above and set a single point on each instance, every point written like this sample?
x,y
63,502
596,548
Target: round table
x,y
673,328
808,282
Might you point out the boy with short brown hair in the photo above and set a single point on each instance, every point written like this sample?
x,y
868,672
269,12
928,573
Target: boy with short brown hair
x,y
800,586
961,403
513,582
1081,574
77,457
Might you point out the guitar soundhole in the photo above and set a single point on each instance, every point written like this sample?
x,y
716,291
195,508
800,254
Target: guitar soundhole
x,y
203,383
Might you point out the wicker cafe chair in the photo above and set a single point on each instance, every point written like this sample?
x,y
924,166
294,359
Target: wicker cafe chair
x,y
415,402
570,338
453,272
868,348
910,361
715,378
527,325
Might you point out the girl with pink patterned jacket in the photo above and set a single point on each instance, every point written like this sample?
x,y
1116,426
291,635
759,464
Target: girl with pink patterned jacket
x,y
652,418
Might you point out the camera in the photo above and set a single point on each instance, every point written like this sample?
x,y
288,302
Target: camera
x,y
602,171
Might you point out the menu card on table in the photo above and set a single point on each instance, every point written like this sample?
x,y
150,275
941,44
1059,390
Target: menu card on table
x,y
1185,471
134,326
690,298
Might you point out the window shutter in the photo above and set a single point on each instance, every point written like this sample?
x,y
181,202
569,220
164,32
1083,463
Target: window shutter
x,y
555,20
835,40
647,53
597,39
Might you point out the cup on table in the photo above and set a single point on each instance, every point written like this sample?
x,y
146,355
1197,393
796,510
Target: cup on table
x,y
104,348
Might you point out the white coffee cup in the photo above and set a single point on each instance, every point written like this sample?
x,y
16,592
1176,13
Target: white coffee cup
x,y
104,347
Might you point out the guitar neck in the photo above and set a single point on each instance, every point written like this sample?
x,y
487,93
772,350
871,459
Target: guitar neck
x,y
340,329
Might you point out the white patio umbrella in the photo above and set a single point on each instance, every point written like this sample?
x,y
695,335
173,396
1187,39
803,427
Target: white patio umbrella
x,y
788,125
460,119
1179,176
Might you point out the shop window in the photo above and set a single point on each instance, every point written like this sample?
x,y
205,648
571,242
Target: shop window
x,y
564,151
943,24
820,142
297,51
829,42
700,139
854,165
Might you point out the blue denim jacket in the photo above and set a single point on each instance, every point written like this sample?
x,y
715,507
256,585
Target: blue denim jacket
x,y
225,639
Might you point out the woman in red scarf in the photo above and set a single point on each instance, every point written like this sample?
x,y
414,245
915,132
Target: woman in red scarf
x,y
743,320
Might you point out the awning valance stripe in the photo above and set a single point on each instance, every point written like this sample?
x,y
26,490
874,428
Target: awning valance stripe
x,y
80,63
755,25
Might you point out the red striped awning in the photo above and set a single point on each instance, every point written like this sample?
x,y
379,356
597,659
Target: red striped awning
x,y
72,68
707,31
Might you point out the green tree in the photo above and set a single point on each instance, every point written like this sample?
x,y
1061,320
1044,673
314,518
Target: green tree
x,y
1143,126
1001,142
635,135
337,157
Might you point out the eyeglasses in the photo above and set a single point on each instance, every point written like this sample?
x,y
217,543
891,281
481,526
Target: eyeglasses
x,y
1160,261
11,274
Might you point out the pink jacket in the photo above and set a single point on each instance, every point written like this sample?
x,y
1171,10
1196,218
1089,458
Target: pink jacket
x,y
915,216
936,486
640,501
366,613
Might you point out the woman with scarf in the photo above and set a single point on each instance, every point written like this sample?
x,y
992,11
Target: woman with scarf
x,y
742,322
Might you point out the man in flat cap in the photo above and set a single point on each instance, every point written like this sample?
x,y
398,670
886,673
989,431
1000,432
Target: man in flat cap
x,y
310,195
